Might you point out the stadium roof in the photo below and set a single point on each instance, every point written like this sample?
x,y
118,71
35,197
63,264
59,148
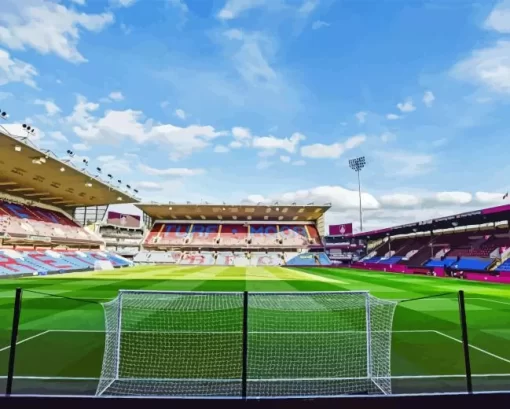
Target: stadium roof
x,y
39,175
489,215
277,213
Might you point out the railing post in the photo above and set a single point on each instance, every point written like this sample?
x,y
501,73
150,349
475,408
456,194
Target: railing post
x,y
244,382
465,342
14,340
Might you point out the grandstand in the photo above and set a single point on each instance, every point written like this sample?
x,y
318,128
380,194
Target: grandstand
x,y
122,233
242,235
38,193
474,246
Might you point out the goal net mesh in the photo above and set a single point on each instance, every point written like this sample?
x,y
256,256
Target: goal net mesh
x,y
298,344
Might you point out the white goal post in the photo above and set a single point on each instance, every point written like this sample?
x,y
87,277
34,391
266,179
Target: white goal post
x,y
246,345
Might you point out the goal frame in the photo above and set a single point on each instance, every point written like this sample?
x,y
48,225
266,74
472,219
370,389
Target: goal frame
x,y
368,328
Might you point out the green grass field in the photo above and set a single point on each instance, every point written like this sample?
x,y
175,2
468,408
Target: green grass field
x,y
61,341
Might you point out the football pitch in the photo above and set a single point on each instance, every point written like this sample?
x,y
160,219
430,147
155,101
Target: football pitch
x,y
61,340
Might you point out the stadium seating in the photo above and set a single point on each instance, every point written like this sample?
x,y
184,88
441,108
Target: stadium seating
x,y
39,262
505,266
266,259
391,260
233,235
264,235
168,234
309,259
472,263
446,262
18,220
203,234
204,258
170,257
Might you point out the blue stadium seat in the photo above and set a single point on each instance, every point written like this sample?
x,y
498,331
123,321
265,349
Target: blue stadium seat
x,y
505,266
468,263
391,260
447,262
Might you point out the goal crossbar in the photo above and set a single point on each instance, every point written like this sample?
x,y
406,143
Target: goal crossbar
x,y
237,344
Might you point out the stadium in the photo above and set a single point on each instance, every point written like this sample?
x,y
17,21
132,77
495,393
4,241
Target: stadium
x,y
238,301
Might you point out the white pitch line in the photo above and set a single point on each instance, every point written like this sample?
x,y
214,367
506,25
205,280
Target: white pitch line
x,y
240,332
474,347
488,299
25,340
78,378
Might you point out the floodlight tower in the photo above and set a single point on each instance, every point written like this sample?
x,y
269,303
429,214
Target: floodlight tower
x,y
357,164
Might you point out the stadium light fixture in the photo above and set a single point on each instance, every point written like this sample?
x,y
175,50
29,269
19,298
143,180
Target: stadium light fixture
x,y
86,162
88,184
17,148
119,199
3,114
99,170
135,190
357,165
70,153
110,176
62,169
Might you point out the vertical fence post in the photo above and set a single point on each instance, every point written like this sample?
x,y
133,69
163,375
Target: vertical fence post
x,y
14,340
244,384
465,342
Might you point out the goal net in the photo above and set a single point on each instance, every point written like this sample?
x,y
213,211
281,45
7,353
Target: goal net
x,y
203,344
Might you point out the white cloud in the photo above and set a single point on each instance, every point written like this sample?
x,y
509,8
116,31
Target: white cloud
x,y
51,108
113,164
81,147
5,95
17,130
400,200
499,18
393,117
175,172
457,198
14,70
439,142
241,133
333,151
264,164
233,8
489,67
388,137
180,114
361,116
221,149
179,5
308,6
58,136
316,25
406,164
116,96
251,57
428,98
122,3
151,186
273,143
339,197
299,162
285,158
236,144
489,199
129,124
406,106
47,27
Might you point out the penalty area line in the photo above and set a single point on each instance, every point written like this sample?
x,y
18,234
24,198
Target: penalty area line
x,y
25,340
474,347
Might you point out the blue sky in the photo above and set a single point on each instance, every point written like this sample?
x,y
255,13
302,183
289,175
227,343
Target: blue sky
x,y
264,100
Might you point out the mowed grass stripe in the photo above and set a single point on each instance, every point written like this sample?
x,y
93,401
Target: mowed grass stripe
x,y
413,353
